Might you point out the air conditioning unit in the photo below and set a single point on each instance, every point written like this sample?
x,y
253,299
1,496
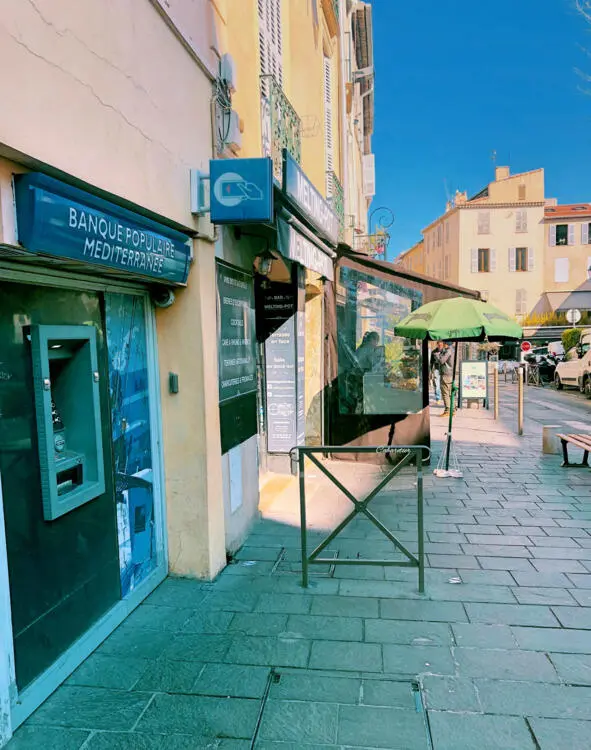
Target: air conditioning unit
x,y
233,138
228,72
369,175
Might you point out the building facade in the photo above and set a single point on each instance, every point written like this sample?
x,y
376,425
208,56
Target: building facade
x,y
493,242
110,459
568,248
307,109
413,259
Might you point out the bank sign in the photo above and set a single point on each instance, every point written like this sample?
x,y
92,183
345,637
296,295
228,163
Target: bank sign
x,y
63,221
241,191
309,202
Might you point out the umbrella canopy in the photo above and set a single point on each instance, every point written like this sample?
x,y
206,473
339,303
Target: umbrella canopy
x,y
458,318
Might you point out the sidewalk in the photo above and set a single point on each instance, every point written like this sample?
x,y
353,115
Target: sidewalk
x,y
495,655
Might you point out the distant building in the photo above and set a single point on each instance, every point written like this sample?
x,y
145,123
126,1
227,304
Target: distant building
x,y
413,259
493,242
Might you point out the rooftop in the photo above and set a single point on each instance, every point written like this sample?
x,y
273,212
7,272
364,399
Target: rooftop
x,y
573,210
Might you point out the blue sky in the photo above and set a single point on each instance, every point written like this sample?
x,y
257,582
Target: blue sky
x,y
456,80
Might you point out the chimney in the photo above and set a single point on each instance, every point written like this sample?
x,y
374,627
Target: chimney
x,y
461,198
551,201
501,173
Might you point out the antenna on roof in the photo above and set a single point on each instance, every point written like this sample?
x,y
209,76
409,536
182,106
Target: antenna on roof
x,y
447,193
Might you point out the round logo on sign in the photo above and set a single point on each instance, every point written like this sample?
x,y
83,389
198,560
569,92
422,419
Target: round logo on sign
x,y
525,346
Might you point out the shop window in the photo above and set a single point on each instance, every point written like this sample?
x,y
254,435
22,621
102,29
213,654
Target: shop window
x,y
379,373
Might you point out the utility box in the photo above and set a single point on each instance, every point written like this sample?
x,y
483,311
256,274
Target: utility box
x,y
67,404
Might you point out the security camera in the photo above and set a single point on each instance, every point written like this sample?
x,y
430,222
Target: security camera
x,y
163,297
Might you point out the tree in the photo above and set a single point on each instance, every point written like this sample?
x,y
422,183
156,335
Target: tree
x,y
571,337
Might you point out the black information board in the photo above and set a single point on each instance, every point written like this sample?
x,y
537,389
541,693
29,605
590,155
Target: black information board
x,y
236,332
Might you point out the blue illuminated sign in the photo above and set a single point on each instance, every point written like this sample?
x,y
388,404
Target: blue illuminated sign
x,y
57,219
241,190
310,204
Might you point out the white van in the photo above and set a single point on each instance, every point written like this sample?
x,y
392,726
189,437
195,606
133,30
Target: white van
x,y
575,371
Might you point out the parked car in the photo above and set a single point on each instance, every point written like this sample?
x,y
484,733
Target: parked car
x,y
546,358
575,370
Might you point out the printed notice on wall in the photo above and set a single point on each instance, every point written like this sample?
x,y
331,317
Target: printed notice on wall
x,y
236,333
277,329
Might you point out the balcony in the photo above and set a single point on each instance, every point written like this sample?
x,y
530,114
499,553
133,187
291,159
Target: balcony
x,y
336,198
282,127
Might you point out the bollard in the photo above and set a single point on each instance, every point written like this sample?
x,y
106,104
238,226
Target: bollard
x,y
520,402
496,391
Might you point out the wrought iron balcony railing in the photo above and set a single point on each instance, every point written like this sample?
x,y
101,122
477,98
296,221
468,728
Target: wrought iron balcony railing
x,y
282,126
336,198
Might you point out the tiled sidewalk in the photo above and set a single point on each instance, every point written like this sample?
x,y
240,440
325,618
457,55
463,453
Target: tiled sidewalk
x,y
496,654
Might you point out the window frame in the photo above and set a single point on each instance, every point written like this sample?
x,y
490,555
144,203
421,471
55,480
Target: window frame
x,y
484,260
521,254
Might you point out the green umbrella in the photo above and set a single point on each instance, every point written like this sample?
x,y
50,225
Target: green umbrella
x,y
458,319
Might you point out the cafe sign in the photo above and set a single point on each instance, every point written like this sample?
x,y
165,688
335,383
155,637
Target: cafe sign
x,y
63,221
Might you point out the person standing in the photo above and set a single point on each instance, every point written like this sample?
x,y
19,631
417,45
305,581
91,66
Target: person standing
x,y
435,377
442,359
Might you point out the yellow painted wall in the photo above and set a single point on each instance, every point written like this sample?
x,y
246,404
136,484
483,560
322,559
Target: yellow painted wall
x,y
106,92
502,285
303,51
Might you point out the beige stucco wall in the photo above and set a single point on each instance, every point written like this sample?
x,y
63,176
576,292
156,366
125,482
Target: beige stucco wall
x,y
85,92
579,257
502,285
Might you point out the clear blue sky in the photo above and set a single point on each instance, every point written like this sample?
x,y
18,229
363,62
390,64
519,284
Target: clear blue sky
x,y
457,79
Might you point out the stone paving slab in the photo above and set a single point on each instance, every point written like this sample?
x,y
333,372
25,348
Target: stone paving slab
x,y
497,651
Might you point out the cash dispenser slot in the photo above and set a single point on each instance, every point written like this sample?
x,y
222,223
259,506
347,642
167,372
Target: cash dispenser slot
x,y
67,404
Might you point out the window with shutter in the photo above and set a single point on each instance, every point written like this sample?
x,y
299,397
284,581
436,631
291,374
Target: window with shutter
x,y
521,258
561,234
484,259
585,234
571,234
521,302
492,260
328,131
521,221
561,270
521,192
530,259
447,231
589,267
552,235
474,260
270,42
512,259
483,222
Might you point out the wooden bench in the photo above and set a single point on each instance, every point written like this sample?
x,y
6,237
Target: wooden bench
x,y
579,441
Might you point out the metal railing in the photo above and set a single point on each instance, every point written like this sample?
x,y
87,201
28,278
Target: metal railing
x,y
336,198
399,456
284,124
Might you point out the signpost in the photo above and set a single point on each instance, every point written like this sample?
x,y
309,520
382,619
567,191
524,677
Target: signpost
x,y
573,316
236,333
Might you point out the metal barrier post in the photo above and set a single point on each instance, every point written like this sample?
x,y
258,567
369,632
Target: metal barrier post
x,y
303,527
496,390
420,522
520,402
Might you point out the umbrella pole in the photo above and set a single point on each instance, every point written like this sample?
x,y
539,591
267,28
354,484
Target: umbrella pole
x,y
451,408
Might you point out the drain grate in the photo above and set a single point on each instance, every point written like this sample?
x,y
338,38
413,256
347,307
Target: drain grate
x,y
289,562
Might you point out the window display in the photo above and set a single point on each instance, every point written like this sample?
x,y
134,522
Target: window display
x,y
379,373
